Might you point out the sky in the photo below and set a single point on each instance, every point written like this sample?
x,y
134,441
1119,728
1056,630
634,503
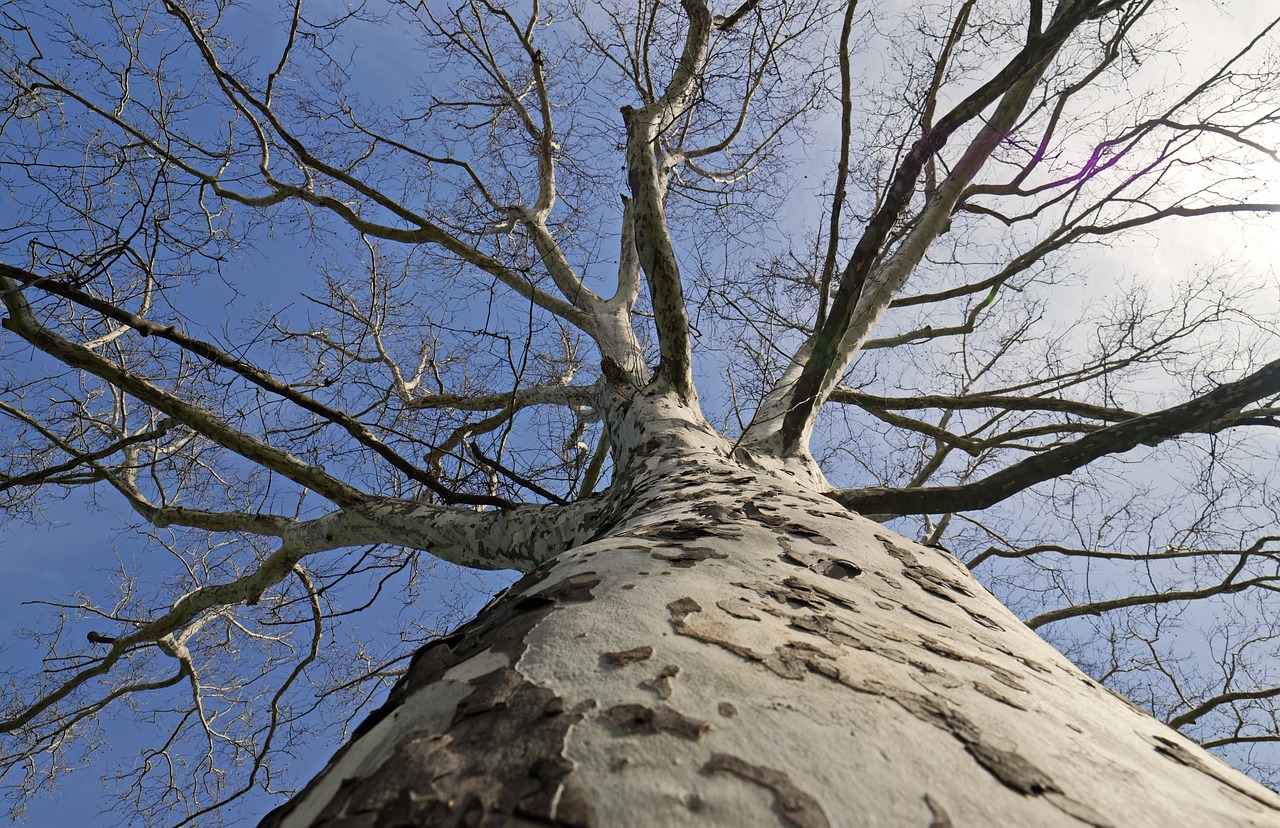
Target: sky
x,y
76,542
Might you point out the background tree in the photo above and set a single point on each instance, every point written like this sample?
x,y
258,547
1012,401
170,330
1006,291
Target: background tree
x,y
648,305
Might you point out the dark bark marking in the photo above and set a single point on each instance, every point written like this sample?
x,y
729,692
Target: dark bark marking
x,y
662,683
940,818
717,512
984,620
463,777
1014,770
924,616
727,710
681,532
1032,664
835,568
816,592
501,626
625,657
784,526
796,659
757,515
687,556
1000,674
797,807
637,719
682,608
1010,768
1177,752
492,690
841,570
992,693
826,627
927,578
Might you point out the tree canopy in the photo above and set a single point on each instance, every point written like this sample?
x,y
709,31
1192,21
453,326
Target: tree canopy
x,y
336,303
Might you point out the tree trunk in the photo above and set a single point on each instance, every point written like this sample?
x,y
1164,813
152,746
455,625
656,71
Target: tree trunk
x,y
739,650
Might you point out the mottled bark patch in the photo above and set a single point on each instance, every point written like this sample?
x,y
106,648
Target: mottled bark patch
x,y
830,567
785,527
637,719
1005,764
795,660
686,556
931,580
520,713
464,777
661,684
625,657
681,532
797,807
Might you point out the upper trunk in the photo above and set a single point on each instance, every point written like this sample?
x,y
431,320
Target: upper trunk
x,y
737,649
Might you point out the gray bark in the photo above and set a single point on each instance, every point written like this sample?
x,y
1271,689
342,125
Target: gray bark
x,y
735,648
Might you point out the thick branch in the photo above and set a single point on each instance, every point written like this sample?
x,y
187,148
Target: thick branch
x,y
828,351
1222,403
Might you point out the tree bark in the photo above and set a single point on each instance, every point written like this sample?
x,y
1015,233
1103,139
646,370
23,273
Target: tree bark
x,y
737,649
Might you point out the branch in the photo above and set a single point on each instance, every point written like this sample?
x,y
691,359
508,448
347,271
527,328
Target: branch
x,y
1202,413
24,323
652,238
1006,402
836,340
258,377
520,538
1227,586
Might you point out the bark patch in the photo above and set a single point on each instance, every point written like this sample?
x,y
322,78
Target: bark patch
x,y
662,683
625,657
459,778
686,556
486,780
940,818
927,578
636,719
836,568
1010,768
798,808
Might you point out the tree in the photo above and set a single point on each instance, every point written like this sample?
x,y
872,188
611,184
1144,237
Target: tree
x,y
576,315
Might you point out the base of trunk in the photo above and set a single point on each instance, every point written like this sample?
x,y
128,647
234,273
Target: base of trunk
x,y
742,652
